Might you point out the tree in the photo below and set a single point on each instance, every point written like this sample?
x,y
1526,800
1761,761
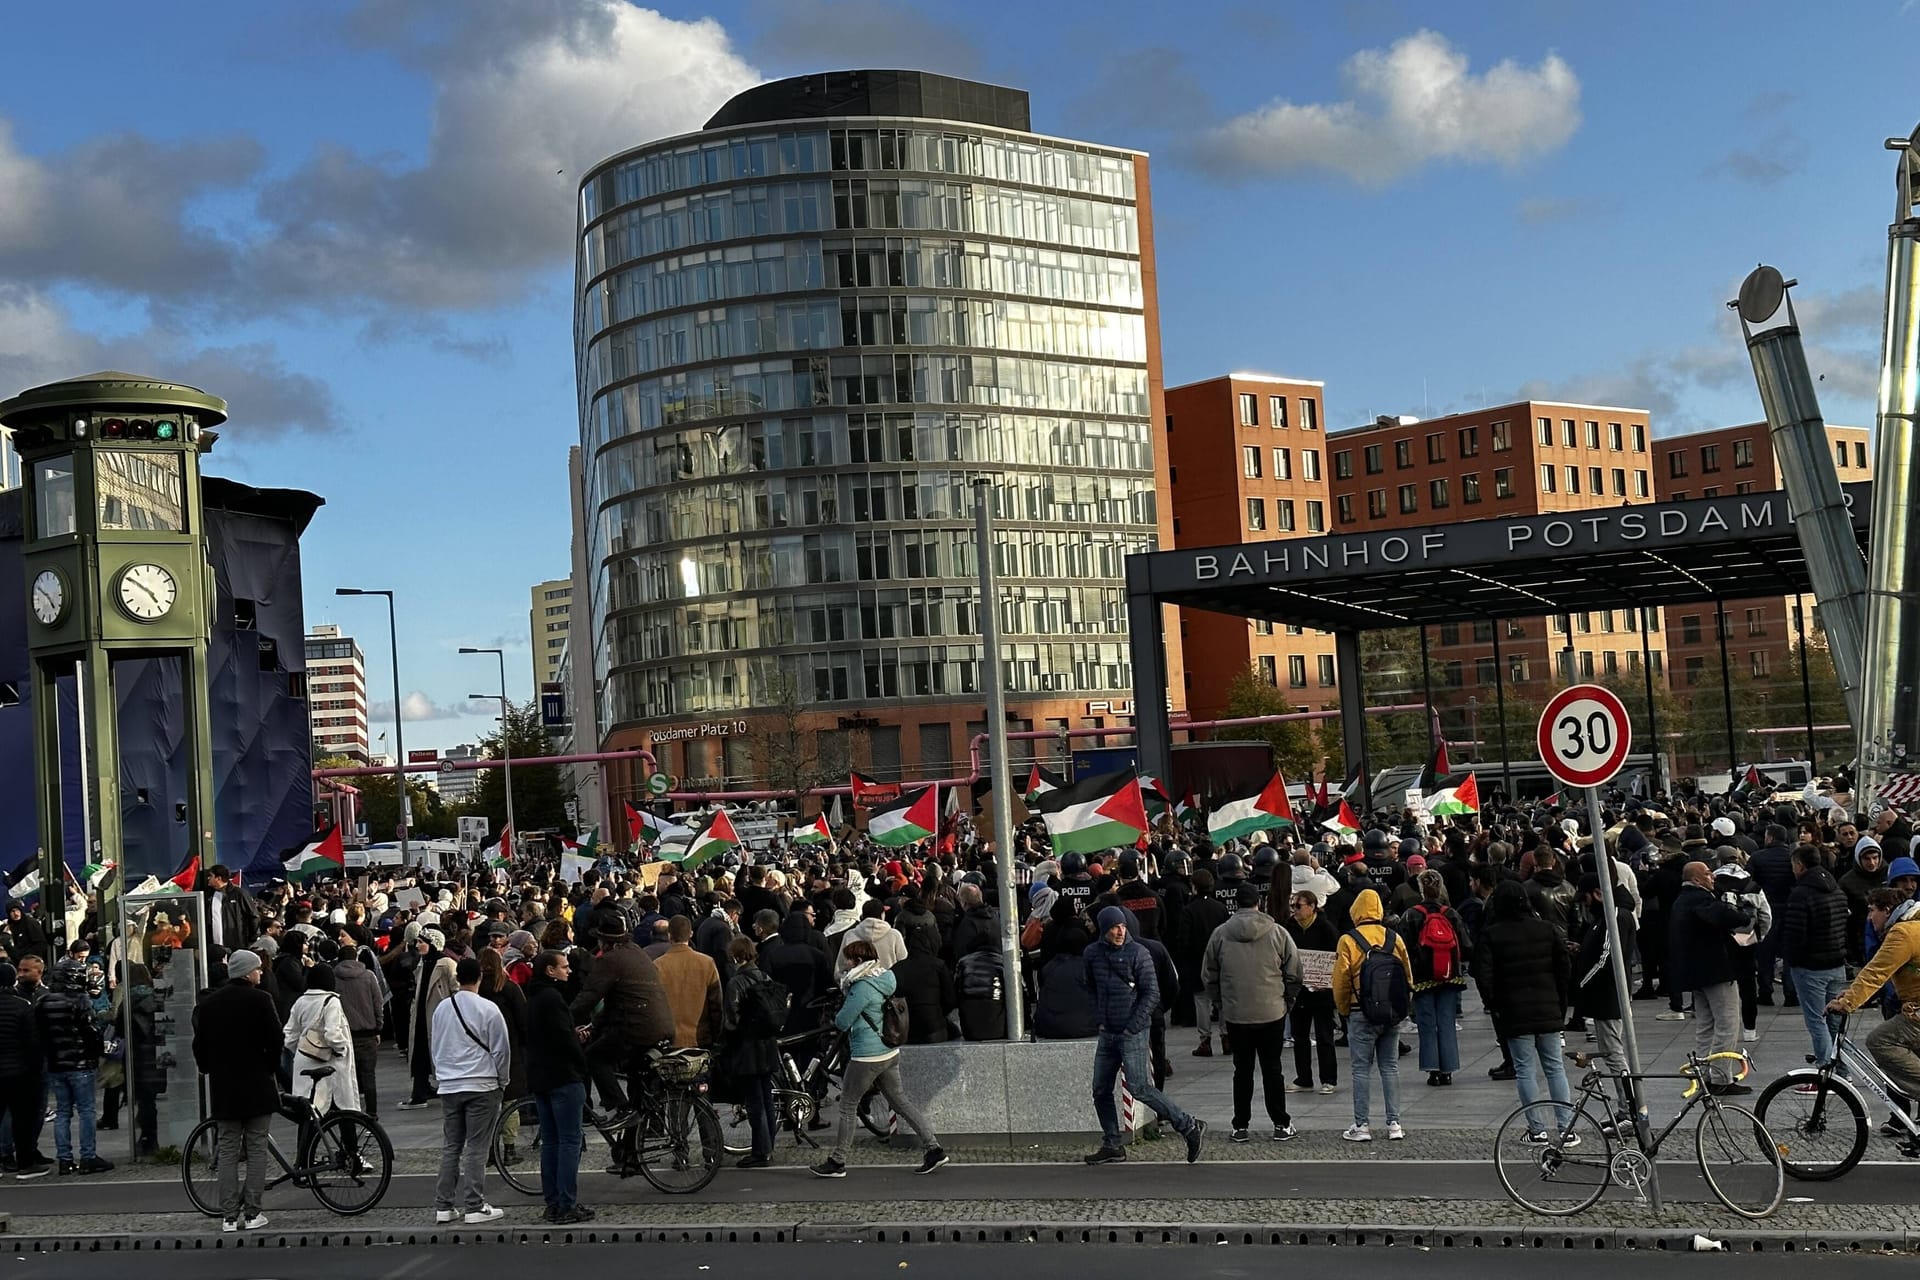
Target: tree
x,y
788,751
1390,664
540,792
432,819
1296,748
1789,704
1669,716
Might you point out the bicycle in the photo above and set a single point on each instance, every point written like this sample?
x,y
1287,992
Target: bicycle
x,y
672,1136
1556,1159
344,1157
1824,1112
800,1094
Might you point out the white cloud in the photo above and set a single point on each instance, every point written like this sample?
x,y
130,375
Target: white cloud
x,y
1410,105
418,707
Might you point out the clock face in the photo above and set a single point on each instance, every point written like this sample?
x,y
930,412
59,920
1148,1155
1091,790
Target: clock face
x,y
49,598
147,591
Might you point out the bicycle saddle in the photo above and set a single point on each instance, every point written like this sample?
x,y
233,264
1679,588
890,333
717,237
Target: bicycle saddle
x,y
317,1073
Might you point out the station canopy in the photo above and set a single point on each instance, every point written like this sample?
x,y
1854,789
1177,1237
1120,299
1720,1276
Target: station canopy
x,y
1626,556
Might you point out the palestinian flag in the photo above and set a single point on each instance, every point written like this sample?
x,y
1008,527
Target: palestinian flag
x,y
1554,801
1093,814
1464,798
713,838
907,819
868,792
1153,793
95,874
27,886
816,832
644,828
1268,809
502,855
1437,767
1039,782
184,879
1343,823
324,854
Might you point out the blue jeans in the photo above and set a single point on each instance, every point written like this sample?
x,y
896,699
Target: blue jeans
x,y
561,1138
1541,1053
1813,988
1113,1052
72,1094
1371,1047
1434,1012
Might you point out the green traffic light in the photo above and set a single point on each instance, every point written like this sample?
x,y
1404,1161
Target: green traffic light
x,y
163,431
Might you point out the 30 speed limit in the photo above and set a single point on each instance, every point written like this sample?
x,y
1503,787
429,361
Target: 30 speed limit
x,y
1584,735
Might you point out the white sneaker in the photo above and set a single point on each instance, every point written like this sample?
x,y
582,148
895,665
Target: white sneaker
x,y
256,1222
1358,1133
1326,1089
1395,1132
444,1215
1748,1035
228,1225
485,1213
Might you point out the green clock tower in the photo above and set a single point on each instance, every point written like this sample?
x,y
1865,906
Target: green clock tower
x,y
116,569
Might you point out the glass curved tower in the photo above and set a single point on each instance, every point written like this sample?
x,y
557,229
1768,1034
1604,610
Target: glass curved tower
x,y
800,333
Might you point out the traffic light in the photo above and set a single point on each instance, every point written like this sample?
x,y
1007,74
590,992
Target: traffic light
x,y
139,429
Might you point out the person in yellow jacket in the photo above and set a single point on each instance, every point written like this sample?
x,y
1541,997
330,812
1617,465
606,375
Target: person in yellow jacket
x,y
1370,1044
1895,1043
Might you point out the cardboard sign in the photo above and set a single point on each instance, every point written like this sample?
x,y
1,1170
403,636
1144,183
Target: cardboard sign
x,y
1316,970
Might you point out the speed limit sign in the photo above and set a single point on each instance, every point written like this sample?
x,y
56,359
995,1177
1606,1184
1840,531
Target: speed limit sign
x,y
1584,735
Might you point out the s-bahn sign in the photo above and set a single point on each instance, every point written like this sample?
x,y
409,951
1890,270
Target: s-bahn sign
x,y
1621,529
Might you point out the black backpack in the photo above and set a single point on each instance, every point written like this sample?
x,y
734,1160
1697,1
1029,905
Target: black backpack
x,y
763,1010
893,1025
1385,994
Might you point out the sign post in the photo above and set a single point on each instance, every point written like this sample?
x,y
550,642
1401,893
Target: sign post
x,y
1583,736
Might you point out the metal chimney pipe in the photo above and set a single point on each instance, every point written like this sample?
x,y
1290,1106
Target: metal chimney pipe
x,y
1815,501
1890,714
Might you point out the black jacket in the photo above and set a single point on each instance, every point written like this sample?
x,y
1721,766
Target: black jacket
x,y
1697,930
69,1039
1522,966
969,929
1064,1009
239,917
554,1054
802,968
1595,994
927,986
915,920
1813,926
1772,869
236,1044
20,1052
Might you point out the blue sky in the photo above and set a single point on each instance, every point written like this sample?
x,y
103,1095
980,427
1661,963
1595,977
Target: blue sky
x,y
351,218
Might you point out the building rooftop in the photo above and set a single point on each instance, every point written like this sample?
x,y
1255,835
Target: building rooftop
x,y
919,94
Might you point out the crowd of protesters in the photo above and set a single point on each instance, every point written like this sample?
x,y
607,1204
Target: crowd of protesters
x,y
502,983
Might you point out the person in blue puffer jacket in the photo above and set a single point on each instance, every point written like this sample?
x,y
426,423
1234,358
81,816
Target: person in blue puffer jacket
x,y
1126,991
871,1061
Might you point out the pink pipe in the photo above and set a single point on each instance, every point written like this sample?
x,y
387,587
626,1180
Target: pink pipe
x,y
434,766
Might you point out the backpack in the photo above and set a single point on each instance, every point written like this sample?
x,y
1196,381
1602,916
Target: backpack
x,y
1385,995
978,975
893,1024
764,1008
1439,942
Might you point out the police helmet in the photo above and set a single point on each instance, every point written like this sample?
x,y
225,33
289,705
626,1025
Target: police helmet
x,y
1374,841
1073,864
1228,867
1265,859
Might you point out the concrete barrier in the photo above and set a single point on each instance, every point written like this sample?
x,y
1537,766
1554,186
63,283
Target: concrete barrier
x,y
1002,1088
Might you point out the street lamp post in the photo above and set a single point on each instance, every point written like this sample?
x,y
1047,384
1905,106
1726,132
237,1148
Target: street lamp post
x,y
506,746
399,738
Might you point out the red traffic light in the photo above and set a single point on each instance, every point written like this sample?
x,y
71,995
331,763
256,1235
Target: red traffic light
x,y
113,429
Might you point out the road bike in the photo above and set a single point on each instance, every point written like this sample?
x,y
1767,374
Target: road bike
x,y
344,1157
671,1136
1822,1111
1556,1159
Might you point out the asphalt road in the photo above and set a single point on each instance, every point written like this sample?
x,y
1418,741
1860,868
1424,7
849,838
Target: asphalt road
x,y
1338,1180
922,1262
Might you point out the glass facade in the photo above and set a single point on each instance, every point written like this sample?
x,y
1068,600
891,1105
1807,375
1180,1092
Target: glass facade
x,y
797,345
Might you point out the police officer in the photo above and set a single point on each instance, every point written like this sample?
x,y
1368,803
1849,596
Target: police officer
x,y
1229,875
1075,883
1266,861
1133,893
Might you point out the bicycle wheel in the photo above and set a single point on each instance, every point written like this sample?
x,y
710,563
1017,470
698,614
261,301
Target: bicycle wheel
x,y
1822,1124
348,1162
1740,1160
517,1161
200,1168
876,1115
681,1145
1549,1164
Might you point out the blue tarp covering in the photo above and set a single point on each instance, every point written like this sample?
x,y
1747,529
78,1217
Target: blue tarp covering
x,y
261,745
